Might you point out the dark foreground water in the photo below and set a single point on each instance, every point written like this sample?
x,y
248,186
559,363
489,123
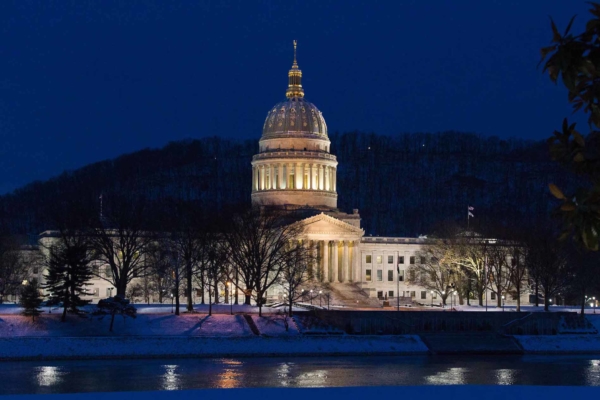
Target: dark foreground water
x,y
177,374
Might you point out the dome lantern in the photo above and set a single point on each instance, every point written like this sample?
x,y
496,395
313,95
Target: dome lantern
x,y
294,79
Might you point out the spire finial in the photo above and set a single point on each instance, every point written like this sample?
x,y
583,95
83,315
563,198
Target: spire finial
x,y
294,78
295,45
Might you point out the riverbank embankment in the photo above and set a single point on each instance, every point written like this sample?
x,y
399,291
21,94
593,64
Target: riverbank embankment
x,y
249,335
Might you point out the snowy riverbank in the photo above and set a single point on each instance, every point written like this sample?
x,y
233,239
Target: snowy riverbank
x,y
37,348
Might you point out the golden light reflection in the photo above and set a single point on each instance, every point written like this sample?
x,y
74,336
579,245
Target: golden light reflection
x,y
49,376
230,377
453,376
170,378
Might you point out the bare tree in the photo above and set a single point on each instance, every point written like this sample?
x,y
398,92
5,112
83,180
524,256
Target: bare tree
x,y
296,270
121,239
13,269
257,246
435,269
499,270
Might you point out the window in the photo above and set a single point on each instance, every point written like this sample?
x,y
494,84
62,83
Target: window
x,y
401,260
412,275
379,275
108,291
434,295
379,259
423,294
423,260
107,271
380,294
493,295
390,259
390,276
432,276
401,275
368,259
36,270
413,294
368,275
391,293
412,260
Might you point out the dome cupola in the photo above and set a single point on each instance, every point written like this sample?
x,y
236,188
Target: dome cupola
x,y
294,166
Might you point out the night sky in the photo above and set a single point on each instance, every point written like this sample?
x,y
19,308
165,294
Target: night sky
x,y
82,81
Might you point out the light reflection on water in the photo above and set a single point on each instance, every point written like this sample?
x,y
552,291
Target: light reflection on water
x,y
49,376
180,374
170,378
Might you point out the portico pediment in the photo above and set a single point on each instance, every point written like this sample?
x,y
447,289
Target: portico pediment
x,y
323,226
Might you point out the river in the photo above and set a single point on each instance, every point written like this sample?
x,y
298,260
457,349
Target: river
x,y
39,377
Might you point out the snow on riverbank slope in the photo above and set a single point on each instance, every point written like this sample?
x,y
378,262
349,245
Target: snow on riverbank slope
x,y
178,346
560,344
144,325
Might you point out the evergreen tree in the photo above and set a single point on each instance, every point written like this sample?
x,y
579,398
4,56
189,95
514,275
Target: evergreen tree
x,y
31,299
68,272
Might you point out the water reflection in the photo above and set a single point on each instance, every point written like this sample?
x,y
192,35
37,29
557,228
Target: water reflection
x,y
453,376
181,374
170,379
231,376
49,376
505,377
592,373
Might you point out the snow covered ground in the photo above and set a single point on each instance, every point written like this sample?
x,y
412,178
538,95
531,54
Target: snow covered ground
x,y
19,348
585,344
411,392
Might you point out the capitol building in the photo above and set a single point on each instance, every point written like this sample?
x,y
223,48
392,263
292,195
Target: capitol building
x,y
294,170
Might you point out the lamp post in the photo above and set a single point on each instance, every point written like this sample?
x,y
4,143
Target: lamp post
x,y
594,298
455,294
432,299
443,299
230,298
311,297
320,292
503,303
172,306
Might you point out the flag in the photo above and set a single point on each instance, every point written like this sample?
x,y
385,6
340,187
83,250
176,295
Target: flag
x,y
471,214
100,197
471,208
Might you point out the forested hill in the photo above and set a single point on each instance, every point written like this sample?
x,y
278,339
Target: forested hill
x,y
403,185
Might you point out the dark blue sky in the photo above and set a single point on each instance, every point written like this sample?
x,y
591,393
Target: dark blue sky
x,y
82,81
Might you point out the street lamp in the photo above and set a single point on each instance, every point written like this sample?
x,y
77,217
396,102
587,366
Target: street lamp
x,y
230,298
594,298
503,303
172,306
443,299
320,292
311,297
454,297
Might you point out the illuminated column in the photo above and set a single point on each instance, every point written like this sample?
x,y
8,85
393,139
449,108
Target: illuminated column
x,y
253,178
310,175
345,262
313,252
334,176
262,177
281,178
326,173
335,266
273,181
354,261
321,184
326,261
299,175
